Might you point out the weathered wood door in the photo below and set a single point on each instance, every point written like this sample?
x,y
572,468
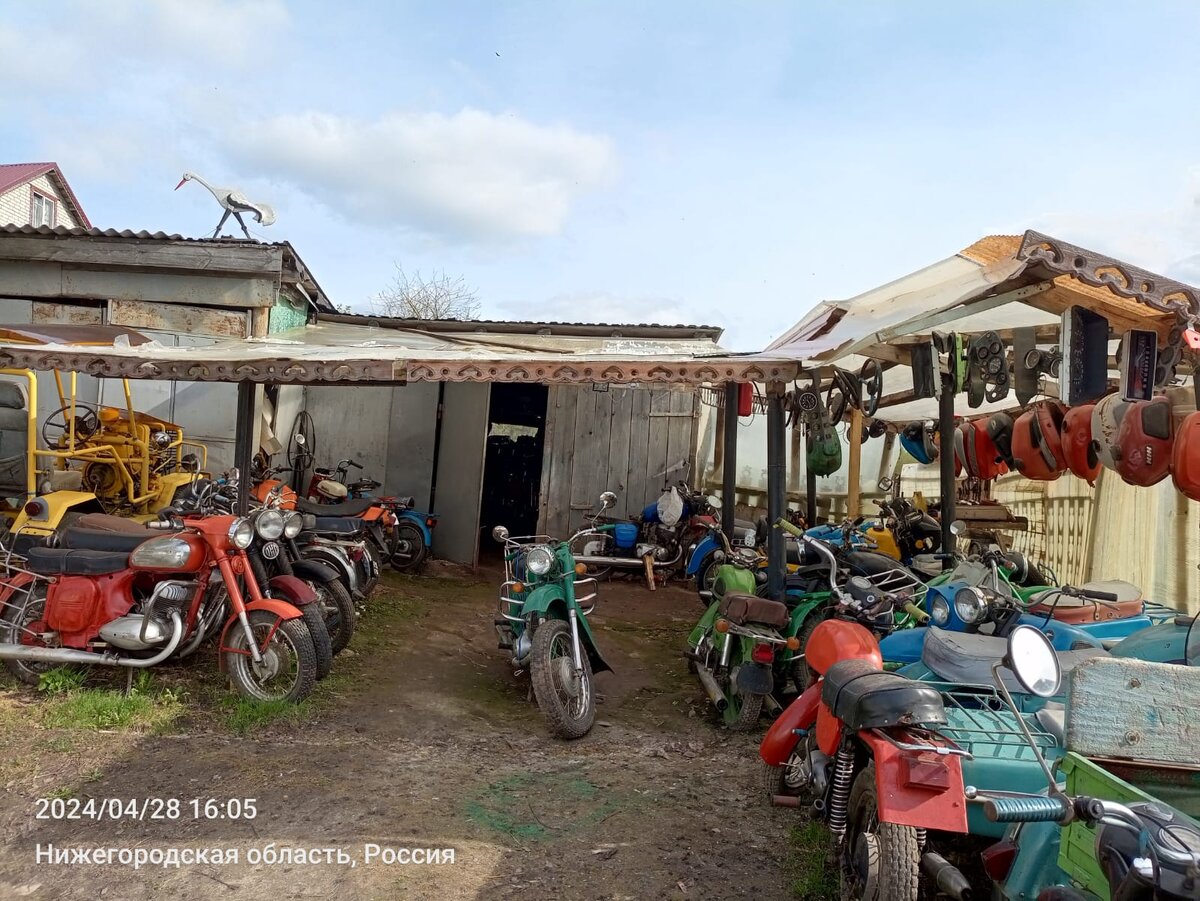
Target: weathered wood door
x,y
621,440
459,477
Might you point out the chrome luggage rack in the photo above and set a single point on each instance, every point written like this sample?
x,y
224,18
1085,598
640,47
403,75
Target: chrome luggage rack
x,y
901,582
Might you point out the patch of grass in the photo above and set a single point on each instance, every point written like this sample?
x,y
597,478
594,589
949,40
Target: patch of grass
x,y
61,680
243,715
813,878
64,792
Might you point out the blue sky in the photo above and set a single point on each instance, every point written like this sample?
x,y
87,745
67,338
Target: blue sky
x,y
703,162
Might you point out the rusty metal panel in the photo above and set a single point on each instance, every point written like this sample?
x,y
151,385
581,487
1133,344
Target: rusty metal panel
x,y
179,318
67,313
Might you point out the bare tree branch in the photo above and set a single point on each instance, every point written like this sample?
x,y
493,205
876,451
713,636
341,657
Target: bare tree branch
x,y
440,296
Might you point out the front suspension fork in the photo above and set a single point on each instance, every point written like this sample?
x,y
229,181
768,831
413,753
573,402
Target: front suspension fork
x,y
576,651
239,603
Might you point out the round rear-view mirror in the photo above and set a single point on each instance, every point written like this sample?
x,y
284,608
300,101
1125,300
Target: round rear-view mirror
x,y
500,534
300,439
607,499
1032,660
958,527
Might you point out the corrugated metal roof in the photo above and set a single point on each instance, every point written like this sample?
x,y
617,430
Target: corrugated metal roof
x,y
13,175
533,327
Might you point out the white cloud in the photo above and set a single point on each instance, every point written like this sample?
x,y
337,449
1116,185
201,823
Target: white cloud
x,y
470,176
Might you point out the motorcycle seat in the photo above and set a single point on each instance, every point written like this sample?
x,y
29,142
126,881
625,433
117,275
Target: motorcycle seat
x,y
106,522
101,540
337,525
1053,720
53,561
966,658
747,608
1075,611
352,507
864,697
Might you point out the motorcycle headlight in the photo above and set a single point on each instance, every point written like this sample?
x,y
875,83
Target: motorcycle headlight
x,y
293,524
241,533
539,560
268,524
970,605
939,611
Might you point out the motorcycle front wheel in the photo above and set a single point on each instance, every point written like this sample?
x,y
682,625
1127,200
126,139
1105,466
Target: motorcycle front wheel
x,y
337,609
288,670
21,610
409,550
314,621
881,860
567,701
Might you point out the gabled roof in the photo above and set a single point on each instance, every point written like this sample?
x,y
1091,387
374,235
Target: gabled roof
x,y
13,175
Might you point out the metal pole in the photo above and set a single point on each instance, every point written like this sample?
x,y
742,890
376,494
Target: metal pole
x,y
729,460
946,464
810,487
776,489
243,447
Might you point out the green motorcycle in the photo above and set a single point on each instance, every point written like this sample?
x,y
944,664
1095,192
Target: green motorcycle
x,y
544,605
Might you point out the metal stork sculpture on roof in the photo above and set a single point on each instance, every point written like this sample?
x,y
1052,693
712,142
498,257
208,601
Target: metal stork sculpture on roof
x,y
234,202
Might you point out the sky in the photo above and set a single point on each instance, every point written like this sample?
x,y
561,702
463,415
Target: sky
x,y
702,162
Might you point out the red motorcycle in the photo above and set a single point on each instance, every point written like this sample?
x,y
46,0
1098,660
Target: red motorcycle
x,y
863,745
134,599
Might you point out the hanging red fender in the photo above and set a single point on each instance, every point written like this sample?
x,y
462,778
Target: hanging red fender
x,y
1185,457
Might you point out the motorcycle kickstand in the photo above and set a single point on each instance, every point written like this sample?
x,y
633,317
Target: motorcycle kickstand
x,y
128,681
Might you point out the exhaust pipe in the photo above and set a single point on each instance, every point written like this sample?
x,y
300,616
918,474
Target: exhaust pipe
x,y
714,690
946,876
625,562
786,801
71,655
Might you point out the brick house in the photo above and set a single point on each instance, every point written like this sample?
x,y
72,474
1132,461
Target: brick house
x,y
38,194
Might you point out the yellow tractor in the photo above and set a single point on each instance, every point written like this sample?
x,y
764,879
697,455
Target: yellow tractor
x,y
92,458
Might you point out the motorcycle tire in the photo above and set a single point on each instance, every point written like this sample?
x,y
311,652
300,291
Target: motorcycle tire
x,y
294,640
409,551
743,712
891,852
707,576
546,674
369,572
337,608
315,623
15,615
802,674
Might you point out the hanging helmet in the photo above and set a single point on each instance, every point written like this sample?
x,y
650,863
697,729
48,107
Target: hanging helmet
x,y
918,441
1036,446
1144,442
1000,429
1185,457
1106,419
982,455
1077,444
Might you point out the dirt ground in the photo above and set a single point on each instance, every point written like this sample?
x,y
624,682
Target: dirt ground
x,y
422,738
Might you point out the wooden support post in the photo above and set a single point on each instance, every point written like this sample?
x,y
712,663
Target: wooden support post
x,y
729,460
243,448
854,488
776,489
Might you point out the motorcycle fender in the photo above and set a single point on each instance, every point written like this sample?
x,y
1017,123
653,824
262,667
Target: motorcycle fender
x,y
293,590
705,625
336,560
419,519
920,789
281,609
781,739
801,612
314,571
700,555
550,601
57,505
1063,636
754,679
829,731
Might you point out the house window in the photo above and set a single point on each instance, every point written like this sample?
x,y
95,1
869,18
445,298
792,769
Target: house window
x,y
44,212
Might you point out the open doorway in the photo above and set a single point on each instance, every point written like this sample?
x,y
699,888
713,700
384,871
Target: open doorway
x,y
512,473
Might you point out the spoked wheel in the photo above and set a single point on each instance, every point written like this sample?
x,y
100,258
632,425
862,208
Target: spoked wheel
x,y
288,669
706,578
337,609
23,610
789,779
565,699
881,861
408,550
370,568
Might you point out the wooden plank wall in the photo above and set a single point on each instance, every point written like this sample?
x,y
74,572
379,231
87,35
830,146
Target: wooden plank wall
x,y
618,440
